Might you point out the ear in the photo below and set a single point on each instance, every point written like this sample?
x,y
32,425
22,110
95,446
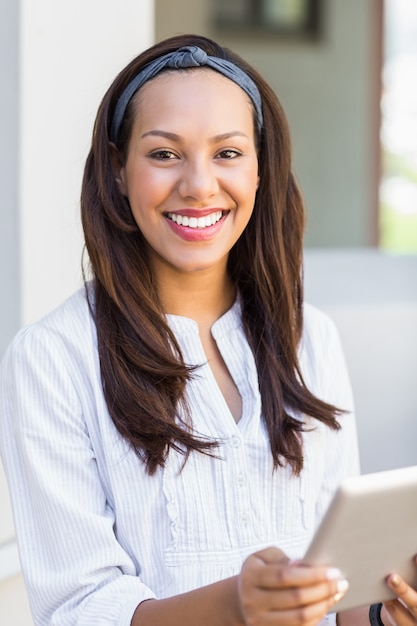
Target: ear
x,y
118,169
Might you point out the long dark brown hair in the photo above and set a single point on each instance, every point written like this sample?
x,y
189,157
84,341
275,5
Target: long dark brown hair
x,y
143,373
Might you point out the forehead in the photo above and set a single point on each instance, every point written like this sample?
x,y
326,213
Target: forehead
x,y
192,90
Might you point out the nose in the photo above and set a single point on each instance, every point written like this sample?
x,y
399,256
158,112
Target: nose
x,y
198,180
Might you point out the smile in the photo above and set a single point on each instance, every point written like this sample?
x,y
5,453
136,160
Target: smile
x,y
195,222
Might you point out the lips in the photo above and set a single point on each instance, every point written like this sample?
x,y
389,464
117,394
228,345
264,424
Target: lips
x,y
197,225
191,221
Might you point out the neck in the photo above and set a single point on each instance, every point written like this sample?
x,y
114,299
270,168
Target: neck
x,y
202,296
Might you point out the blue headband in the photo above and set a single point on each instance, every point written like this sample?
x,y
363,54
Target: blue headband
x,y
189,56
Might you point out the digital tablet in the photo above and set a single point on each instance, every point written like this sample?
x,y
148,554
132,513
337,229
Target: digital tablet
x,y
368,532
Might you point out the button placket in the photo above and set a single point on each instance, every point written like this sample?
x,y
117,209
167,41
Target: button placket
x,y
241,494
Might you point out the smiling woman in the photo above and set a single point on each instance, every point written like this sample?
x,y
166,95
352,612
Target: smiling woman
x,y
185,419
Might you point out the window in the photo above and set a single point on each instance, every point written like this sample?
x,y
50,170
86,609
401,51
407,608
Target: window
x,y
398,192
297,18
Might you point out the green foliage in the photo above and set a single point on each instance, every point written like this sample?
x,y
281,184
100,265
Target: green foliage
x,y
398,231
398,228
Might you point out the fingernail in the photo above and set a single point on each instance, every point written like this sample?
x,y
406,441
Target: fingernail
x,y
394,580
342,586
333,573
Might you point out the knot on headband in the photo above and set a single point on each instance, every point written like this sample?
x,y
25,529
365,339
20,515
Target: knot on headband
x,y
189,56
183,58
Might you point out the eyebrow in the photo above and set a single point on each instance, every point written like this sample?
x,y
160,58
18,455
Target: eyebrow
x,y
174,137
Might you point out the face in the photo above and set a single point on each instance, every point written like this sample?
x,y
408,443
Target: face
x,y
191,171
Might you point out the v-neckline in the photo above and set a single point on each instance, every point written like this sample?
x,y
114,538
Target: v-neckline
x,y
183,325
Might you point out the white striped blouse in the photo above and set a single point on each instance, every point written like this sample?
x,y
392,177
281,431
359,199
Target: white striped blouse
x,y
96,534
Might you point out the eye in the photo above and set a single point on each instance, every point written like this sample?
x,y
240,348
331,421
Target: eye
x,y
163,155
228,154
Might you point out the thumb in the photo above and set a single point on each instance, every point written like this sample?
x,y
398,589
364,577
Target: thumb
x,y
271,556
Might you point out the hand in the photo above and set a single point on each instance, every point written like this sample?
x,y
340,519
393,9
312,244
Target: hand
x,y
275,591
403,611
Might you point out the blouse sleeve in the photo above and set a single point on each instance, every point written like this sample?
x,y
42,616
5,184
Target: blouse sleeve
x,y
75,570
327,374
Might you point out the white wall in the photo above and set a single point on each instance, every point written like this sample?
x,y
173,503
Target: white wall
x,y
57,59
70,52
9,139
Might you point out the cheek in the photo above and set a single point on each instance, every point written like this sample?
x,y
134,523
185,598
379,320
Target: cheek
x,y
251,176
148,188
243,181
248,189
140,173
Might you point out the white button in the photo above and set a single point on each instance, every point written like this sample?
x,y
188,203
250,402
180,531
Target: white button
x,y
244,518
241,479
235,441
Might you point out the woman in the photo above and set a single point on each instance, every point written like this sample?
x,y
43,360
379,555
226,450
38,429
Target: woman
x,y
173,433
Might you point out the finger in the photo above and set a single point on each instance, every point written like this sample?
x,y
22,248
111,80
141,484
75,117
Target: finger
x,y
328,592
274,576
397,614
308,615
271,555
404,592
296,574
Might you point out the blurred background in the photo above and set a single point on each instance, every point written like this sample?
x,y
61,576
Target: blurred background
x,y
345,73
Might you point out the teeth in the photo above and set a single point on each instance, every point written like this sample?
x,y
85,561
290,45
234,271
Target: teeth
x,y
195,222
